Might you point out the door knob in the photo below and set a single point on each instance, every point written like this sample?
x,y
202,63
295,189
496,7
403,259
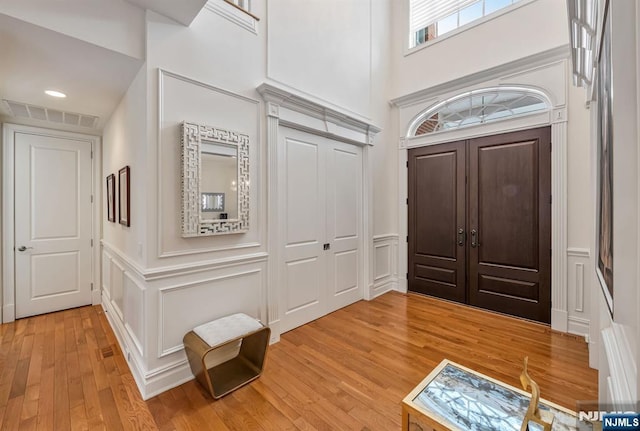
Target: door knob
x,y
23,248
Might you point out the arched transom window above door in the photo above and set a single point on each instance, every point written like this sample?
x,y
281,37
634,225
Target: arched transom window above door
x,y
478,107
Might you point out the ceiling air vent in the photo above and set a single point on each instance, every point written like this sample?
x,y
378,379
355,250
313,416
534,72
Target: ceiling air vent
x,y
23,110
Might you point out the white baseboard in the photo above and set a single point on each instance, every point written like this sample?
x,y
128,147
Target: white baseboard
x,y
8,313
559,320
594,354
275,331
382,287
579,326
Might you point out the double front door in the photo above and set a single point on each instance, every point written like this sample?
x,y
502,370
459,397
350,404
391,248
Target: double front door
x,y
320,226
480,222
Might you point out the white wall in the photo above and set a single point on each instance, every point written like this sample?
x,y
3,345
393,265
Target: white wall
x,y
619,357
323,48
531,28
115,24
123,145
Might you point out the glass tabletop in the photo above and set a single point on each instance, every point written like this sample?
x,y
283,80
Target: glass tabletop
x,y
470,402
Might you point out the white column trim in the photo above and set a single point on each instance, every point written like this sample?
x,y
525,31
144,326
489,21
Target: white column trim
x,y
273,269
559,311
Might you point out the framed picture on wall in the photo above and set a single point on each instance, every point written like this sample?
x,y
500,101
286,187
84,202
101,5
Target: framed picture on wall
x,y
605,148
111,198
123,197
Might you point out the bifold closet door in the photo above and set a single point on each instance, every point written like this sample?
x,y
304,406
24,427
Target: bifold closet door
x,y
320,226
437,221
510,223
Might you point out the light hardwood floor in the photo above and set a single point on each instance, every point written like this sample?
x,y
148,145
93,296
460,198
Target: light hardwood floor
x,y
346,371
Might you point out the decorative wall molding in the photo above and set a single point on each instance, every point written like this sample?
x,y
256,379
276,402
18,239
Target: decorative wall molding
x,y
171,271
579,287
622,367
304,112
385,264
232,14
526,63
579,252
559,310
163,75
165,291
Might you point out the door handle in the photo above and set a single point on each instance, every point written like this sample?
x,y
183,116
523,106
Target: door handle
x,y
474,238
461,237
23,248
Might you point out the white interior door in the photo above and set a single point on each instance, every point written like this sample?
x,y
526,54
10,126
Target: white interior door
x,y
302,228
52,223
320,226
344,224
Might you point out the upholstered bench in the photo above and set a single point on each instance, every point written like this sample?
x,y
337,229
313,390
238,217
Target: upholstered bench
x,y
219,337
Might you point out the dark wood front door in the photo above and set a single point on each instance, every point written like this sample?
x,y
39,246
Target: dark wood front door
x,y
437,221
502,262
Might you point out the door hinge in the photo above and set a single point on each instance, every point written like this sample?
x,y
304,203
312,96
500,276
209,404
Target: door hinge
x,y
407,163
550,252
92,287
407,201
407,275
407,238
91,198
92,154
91,242
550,199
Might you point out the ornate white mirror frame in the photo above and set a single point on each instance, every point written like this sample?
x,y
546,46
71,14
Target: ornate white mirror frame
x,y
193,136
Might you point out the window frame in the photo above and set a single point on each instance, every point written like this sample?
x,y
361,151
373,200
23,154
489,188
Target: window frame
x,y
407,38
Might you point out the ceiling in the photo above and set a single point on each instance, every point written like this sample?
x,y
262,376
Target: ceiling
x,y
183,11
35,59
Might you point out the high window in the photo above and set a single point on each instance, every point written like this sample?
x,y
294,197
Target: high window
x,y
430,19
478,107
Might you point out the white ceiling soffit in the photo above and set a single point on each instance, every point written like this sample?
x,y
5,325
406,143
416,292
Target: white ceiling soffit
x,y
35,59
182,11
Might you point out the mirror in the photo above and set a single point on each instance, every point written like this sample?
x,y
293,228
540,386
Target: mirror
x,y
215,181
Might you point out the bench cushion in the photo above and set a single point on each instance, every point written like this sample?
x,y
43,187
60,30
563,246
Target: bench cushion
x,y
226,328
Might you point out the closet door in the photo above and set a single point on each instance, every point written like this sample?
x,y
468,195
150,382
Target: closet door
x,y
437,221
302,228
510,223
320,229
344,224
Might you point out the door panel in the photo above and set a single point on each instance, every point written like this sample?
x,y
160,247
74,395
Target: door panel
x,y
508,204
302,208
344,218
436,216
510,209
52,223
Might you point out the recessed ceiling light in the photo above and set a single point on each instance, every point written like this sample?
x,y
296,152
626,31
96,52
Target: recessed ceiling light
x,y
54,93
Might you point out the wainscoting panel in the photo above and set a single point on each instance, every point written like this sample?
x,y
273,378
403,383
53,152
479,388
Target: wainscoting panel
x,y
133,310
579,269
117,288
185,99
385,264
184,306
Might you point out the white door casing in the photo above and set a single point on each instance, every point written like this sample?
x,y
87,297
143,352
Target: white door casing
x,y
321,207
48,221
